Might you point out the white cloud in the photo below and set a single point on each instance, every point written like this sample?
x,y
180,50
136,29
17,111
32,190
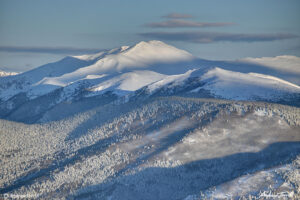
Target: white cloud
x,y
285,63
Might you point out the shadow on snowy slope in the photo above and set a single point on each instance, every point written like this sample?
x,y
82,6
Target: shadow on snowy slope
x,y
99,147
181,181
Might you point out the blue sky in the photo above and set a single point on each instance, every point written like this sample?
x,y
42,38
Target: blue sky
x,y
34,32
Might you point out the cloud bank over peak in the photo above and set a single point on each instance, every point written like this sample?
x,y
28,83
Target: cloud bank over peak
x,y
179,23
284,63
177,16
47,50
210,37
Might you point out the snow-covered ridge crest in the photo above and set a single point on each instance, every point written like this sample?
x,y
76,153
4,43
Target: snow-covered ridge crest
x,y
275,79
221,83
246,86
101,54
228,84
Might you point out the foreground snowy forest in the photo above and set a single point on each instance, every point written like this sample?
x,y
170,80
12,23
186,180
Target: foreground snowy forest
x,y
164,148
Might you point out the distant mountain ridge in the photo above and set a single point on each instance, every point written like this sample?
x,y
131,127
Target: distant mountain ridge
x,y
147,68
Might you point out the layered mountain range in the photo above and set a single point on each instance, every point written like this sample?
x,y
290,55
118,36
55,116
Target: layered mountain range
x,y
145,69
151,121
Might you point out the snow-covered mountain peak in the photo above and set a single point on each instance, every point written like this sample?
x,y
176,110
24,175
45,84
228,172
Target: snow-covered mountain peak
x,y
150,44
123,48
96,56
157,50
89,57
152,50
3,73
144,55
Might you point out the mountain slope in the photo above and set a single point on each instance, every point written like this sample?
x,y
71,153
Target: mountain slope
x,y
225,84
142,84
240,86
13,85
162,148
126,83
